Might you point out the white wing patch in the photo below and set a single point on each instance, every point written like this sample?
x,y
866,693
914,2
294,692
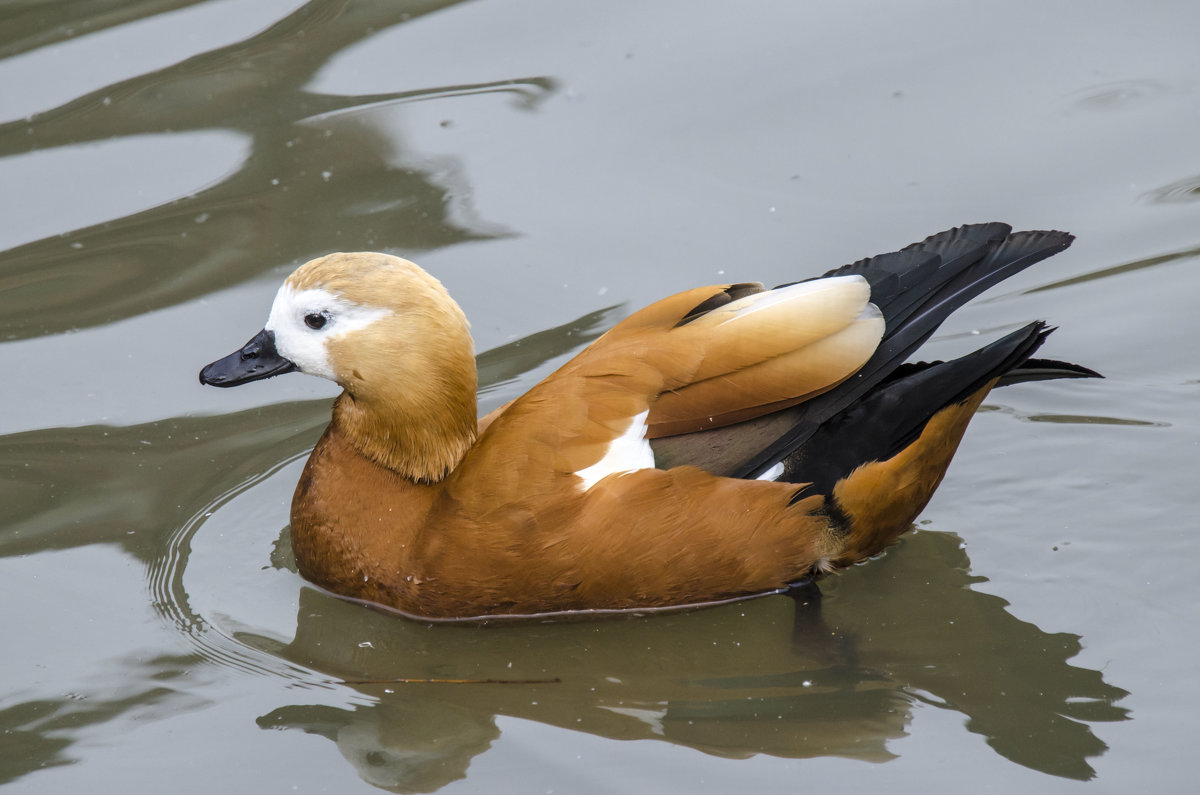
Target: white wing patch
x,y
774,473
628,452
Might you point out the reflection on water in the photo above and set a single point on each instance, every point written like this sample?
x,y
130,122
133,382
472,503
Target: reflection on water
x,y
777,676
1072,419
323,173
40,734
101,480
1123,268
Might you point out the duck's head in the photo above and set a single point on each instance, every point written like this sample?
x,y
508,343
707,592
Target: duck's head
x,y
393,338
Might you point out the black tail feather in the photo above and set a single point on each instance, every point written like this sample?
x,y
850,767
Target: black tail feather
x,y
1045,370
893,414
915,289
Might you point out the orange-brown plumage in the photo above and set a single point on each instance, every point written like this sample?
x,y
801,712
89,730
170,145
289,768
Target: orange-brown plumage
x,y
560,501
466,551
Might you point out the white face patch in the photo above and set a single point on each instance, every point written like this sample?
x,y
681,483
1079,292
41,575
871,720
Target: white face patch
x,y
628,452
293,316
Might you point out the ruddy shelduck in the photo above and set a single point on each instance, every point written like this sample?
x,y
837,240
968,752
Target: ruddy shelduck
x,y
724,442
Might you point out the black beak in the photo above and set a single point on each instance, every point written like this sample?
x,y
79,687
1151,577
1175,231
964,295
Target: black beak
x,y
257,359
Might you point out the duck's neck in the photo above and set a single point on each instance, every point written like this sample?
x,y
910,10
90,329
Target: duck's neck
x,y
420,438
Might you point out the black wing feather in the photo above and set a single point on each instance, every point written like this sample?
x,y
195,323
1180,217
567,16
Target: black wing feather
x,y
915,289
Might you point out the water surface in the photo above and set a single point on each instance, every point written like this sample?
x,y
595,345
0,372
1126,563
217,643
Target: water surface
x,y
165,163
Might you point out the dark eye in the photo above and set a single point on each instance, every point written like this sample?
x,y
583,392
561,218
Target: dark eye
x,y
315,320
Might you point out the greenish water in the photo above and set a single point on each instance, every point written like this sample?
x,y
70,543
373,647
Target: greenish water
x,y
163,165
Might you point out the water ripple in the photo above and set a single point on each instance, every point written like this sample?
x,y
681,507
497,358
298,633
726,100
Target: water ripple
x,y
1118,95
212,633
1184,190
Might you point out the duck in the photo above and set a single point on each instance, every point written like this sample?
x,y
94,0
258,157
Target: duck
x,y
728,441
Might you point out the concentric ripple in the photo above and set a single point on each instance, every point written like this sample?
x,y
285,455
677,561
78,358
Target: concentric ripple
x,y
215,579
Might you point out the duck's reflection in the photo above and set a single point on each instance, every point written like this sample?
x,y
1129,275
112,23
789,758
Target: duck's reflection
x,y
784,676
413,743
